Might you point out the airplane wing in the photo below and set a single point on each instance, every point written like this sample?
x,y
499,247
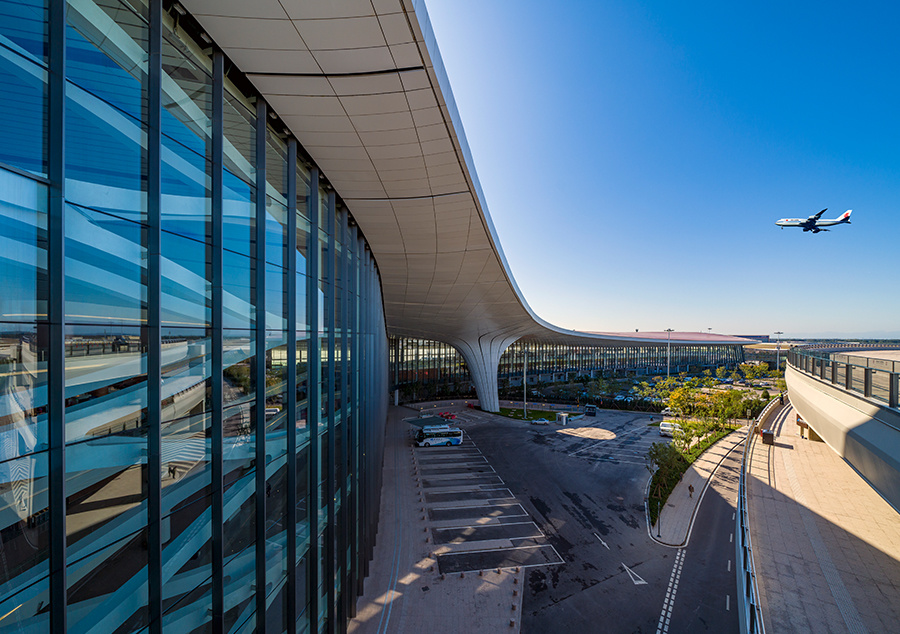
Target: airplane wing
x,y
815,217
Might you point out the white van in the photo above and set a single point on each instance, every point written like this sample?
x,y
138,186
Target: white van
x,y
669,429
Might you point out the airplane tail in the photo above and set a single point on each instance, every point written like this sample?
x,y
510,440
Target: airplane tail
x,y
845,217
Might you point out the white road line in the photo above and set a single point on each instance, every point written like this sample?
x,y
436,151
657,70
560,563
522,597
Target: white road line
x,y
601,541
728,602
729,565
666,614
731,538
635,577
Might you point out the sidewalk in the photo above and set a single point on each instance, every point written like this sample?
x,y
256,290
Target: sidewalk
x,y
677,516
404,592
825,544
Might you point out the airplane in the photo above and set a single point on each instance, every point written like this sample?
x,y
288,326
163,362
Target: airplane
x,y
813,223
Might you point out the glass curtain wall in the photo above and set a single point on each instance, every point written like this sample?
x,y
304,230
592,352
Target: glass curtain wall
x,y
422,369
182,304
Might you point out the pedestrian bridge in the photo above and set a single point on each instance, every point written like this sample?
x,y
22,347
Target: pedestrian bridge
x,y
849,398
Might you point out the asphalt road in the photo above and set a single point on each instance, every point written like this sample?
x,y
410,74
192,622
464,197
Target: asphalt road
x,y
586,493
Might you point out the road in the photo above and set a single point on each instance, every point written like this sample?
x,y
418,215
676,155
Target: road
x,y
583,486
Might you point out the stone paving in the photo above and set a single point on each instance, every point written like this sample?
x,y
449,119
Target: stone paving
x,y
825,544
405,591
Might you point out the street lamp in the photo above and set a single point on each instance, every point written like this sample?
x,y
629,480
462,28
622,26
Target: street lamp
x,y
525,384
669,332
778,350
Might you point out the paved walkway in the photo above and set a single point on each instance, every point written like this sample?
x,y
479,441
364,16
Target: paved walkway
x,y
826,545
404,591
677,516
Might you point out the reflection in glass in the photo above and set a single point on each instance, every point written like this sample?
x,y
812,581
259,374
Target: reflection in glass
x,y
23,248
23,390
238,309
23,110
24,534
107,581
105,268
239,205
106,109
186,290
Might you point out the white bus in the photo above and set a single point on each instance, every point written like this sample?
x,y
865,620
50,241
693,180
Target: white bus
x,y
431,435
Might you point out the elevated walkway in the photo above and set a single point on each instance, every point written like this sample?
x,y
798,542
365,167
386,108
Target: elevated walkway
x,y
826,545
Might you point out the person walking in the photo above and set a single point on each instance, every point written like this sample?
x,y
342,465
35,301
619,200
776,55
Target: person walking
x,y
691,490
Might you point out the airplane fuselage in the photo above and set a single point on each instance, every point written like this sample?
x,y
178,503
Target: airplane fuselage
x,y
814,223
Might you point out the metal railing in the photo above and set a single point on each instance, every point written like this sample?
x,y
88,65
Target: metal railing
x,y
749,612
871,378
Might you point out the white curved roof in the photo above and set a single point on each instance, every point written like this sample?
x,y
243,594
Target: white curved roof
x,y
361,85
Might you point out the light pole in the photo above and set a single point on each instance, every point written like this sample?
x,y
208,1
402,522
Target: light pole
x,y
778,351
525,384
669,332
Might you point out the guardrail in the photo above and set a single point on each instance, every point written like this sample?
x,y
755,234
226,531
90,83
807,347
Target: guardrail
x,y
749,613
875,379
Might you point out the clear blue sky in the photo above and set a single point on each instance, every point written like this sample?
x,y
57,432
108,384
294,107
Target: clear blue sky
x,y
635,156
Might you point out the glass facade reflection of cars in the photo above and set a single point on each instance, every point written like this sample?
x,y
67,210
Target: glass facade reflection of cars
x,y
192,341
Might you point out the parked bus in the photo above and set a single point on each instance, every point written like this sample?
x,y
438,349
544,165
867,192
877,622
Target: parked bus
x,y
438,435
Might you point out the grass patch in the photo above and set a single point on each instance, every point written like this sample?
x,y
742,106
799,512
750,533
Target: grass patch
x,y
533,414
671,465
652,424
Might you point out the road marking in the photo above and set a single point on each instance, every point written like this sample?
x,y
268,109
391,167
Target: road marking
x,y
731,538
666,615
733,516
728,602
635,578
601,541
729,565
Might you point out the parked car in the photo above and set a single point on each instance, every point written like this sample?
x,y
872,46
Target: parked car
x,y
669,429
668,412
540,421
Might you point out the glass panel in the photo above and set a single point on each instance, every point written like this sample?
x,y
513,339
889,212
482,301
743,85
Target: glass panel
x,y
186,290
276,391
107,581
187,131
24,24
24,540
276,539
276,233
302,428
106,401
303,492
238,310
239,211
23,248
239,351
240,557
106,108
186,442
881,385
23,390
276,297
105,268
187,568
23,81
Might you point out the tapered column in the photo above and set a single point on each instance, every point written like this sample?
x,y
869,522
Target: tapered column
x,y
482,355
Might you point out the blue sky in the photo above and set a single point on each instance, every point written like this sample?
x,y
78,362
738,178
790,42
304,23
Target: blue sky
x,y
636,155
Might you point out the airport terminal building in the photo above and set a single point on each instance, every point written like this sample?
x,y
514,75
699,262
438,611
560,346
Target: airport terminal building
x,y
212,215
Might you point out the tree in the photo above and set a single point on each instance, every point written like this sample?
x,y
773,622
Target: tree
x,y
722,372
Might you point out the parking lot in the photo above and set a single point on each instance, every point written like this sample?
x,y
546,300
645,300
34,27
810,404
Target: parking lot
x,y
475,521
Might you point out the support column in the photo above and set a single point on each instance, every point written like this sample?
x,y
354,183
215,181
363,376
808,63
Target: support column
x,y
482,355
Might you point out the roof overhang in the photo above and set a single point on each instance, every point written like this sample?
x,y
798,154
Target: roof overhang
x,y
361,85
